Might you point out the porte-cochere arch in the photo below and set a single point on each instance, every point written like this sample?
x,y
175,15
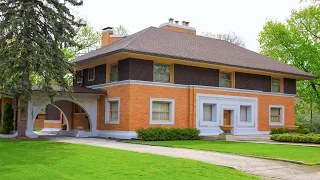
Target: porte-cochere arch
x,y
88,102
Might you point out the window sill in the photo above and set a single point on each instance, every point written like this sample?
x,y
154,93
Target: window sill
x,y
112,122
90,79
162,122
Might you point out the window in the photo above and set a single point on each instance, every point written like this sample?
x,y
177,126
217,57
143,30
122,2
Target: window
x,y
91,73
276,115
79,77
245,114
207,112
78,109
225,79
114,73
161,73
161,111
112,111
275,85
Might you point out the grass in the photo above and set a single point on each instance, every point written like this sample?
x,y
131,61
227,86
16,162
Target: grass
x,y
52,160
308,155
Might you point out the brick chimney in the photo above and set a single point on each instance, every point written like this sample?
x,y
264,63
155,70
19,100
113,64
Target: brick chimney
x,y
184,27
108,37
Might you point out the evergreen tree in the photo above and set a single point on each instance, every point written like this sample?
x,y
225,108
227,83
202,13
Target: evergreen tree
x,y
7,120
32,36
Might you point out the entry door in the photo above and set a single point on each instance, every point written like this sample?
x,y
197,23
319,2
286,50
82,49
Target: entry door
x,y
227,117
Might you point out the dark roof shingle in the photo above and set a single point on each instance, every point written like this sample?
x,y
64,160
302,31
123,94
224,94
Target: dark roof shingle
x,y
160,42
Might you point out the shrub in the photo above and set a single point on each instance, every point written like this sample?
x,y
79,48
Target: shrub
x,y
168,134
7,120
300,130
297,138
279,131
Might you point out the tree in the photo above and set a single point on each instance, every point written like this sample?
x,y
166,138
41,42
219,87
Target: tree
x,y
121,30
231,37
87,38
32,36
297,42
7,120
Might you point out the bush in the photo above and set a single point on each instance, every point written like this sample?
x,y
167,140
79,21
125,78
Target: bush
x,y
300,130
279,131
7,120
297,138
168,134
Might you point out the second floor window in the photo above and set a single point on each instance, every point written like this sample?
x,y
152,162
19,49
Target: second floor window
x,y
91,74
114,73
275,85
79,76
225,79
161,73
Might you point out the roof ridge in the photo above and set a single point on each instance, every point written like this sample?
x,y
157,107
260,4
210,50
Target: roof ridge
x,y
134,39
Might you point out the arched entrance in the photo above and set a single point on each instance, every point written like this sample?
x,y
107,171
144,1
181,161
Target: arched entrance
x,y
75,119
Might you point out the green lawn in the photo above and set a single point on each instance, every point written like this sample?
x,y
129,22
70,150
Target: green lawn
x,y
308,155
53,160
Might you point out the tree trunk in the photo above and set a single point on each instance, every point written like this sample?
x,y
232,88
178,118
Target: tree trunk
x,y
23,121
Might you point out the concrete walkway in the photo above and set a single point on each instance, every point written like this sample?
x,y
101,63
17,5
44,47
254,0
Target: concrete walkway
x,y
266,169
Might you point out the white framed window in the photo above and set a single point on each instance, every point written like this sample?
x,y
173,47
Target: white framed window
x,y
275,85
112,111
161,73
208,113
225,79
113,72
245,114
91,74
79,76
276,115
161,111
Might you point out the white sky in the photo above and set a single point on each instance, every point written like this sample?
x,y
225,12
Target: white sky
x,y
245,17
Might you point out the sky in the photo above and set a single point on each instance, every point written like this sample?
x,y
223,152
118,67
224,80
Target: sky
x,y
244,17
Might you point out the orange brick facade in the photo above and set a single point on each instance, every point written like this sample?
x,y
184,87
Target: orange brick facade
x,y
135,106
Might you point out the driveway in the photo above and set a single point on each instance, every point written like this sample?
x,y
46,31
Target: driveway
x,y
267,169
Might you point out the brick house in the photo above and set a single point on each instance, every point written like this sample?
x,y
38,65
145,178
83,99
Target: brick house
x,y
171,77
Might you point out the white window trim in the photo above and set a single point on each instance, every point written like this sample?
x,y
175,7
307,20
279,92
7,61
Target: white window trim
x,y
252,114
81,77
107,121
282,115
94,74
172,108
214,113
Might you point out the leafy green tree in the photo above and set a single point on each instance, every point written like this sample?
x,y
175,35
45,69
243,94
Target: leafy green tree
x,y
7,120
32,36
231,37
297,42
121,30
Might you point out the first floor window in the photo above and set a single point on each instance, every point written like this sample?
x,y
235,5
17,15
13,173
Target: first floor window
x,y
275,116
113,110
207,112
245,113
161,73
78,109
275,85
114,73
161,111
91,74
225,79
79,76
